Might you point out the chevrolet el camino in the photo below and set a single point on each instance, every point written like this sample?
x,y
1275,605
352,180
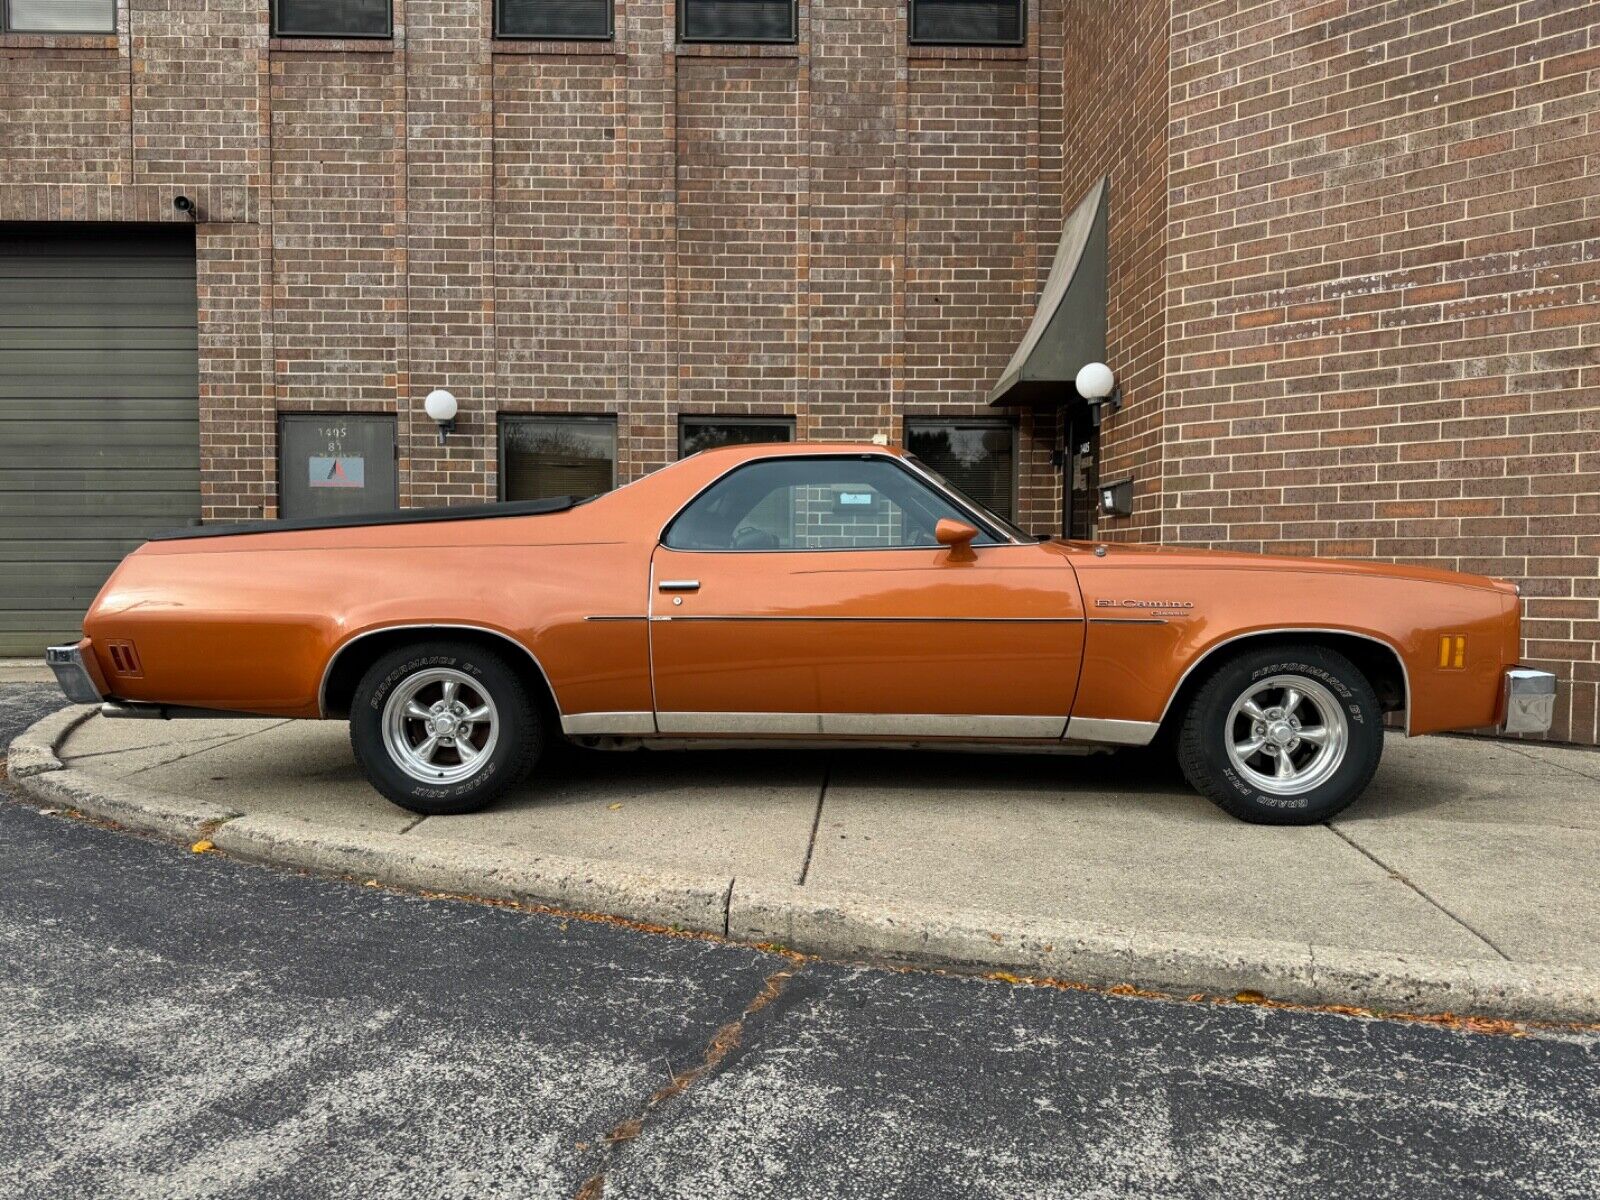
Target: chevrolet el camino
x,y
797,594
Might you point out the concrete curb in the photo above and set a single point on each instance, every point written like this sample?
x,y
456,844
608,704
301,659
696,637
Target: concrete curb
x,y
832,924
34,749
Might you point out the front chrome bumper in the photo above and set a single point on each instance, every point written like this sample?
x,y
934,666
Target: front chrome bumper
x,y
1530,701
72,675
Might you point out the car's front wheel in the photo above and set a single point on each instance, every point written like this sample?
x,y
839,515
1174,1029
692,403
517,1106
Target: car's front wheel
x,y
443,727
1283,735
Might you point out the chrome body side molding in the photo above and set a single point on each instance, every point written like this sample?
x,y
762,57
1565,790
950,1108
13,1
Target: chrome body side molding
x,y
1111,733
621,724
891,725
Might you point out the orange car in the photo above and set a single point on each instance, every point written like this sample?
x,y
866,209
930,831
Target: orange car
x,y
812,594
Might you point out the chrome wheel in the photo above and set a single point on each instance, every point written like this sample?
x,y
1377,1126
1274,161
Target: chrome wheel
x,y
440,725
1286,735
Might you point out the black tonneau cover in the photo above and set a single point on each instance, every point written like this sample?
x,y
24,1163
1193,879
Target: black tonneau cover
x,y
403,516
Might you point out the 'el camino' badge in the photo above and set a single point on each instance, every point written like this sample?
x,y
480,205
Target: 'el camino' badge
x,y
1161,605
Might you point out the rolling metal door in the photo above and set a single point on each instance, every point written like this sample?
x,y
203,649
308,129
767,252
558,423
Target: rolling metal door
x,y
99,413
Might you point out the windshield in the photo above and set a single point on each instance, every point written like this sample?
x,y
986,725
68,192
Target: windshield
x,y
994,519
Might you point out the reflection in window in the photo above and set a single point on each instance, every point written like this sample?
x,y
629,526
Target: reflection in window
x,y
58,16
978,457
707,433
541,457
331,18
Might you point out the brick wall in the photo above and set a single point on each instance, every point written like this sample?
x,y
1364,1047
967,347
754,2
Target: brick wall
x,y
1379,312
844,230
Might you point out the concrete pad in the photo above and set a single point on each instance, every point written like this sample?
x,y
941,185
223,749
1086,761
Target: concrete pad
x,y
1059,838
1467,780
138,744
292,768
718,812
1533,894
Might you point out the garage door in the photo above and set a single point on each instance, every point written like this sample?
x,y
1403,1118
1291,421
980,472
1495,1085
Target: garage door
x,y
99,413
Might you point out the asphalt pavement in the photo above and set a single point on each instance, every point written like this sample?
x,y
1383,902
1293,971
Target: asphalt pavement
x,y
185,1025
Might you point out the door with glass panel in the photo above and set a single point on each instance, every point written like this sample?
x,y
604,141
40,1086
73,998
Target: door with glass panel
x,y
811,595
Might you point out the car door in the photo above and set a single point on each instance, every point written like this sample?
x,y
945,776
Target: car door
x,y
807,595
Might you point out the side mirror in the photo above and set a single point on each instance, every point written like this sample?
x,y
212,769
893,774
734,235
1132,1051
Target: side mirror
x,y
958,536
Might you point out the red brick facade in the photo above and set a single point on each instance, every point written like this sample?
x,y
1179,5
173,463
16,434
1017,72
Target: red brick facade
x,y
1353,248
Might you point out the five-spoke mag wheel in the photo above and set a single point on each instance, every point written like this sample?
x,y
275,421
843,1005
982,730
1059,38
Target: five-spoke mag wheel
x,y
444,727
1282,734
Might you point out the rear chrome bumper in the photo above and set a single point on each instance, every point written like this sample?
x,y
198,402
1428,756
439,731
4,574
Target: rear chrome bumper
x,y
72,675
1530,701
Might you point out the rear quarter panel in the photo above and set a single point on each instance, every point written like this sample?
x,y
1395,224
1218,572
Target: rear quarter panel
x,y
253,629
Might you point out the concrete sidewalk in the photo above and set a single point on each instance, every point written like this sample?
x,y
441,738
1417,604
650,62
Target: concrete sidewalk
x,y
1475,859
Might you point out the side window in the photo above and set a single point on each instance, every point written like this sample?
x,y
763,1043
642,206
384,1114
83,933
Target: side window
x,y
816,504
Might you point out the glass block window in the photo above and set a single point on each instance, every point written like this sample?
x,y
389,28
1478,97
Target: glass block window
x,y
556,20
978,457
541,457
968,22
707,433
58,16
737,21
332,18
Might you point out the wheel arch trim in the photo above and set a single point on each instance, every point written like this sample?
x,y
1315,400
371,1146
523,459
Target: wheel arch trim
x,y
340,650
1275,631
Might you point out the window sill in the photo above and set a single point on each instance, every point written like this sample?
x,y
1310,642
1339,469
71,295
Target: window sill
x,y
60,41
346,45
737,50
606,47
998,53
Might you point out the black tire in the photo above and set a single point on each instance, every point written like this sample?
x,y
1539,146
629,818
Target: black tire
x,y
480,675
1245,789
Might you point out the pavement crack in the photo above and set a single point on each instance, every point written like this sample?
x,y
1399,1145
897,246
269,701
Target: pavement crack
x,y
206,749
1400,877
723,1042
816,823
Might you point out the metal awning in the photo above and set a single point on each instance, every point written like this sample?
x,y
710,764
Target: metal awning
x,y
1069,327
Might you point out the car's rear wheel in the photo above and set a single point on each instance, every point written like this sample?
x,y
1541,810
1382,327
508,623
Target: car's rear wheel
x,y
443,727
1283,735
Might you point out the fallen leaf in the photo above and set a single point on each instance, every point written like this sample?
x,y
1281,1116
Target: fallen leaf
x,y
370,883
1250,998
614,807
203,845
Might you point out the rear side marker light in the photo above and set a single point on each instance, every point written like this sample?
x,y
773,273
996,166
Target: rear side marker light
x,y
1452,651
124,659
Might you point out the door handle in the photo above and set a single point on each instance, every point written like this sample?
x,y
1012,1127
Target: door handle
x,y
679,585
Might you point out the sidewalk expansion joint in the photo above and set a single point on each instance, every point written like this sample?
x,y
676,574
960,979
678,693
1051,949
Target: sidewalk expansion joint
x,y
727,1039
1398,876
816,823
727,906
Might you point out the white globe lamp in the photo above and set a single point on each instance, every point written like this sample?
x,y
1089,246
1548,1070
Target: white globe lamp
x,y
441,408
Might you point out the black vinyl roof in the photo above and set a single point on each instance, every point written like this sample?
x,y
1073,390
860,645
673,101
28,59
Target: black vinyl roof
x,y
403,516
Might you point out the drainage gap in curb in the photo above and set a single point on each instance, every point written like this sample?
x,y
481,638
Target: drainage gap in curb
x,y
724,1042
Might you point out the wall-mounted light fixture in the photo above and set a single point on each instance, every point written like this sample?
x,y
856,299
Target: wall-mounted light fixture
x,y
186,206
1116,499
441,408
1098,386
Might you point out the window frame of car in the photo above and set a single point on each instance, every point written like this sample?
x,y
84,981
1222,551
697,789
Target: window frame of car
x,y
500,33
6,25
279,32
913,40
684,39
985,528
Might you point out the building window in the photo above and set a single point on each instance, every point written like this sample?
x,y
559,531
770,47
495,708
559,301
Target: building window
x,y
737,21
707,433
978,457
556,20
58,16
542,457
968,22
332,18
